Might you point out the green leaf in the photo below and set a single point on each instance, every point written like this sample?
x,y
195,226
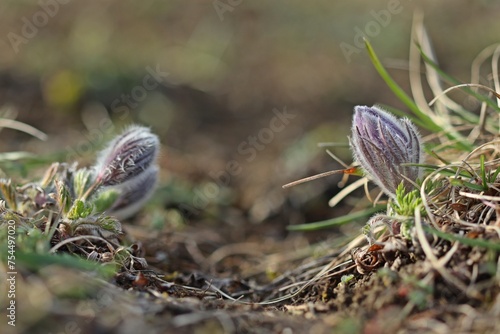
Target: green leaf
x,y
105,199
103,226
405,203
462,183
346,278
80,209
336,221
493,177
63,196
483,173
36,261
493,245
451,171
81,181
426,121
110,224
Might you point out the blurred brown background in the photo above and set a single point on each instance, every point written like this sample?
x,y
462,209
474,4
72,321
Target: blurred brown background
x,y
210,77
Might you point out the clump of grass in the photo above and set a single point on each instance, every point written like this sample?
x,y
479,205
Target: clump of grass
x,y
445,223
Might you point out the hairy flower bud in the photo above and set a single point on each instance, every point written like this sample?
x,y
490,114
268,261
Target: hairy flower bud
x,y
127,156
134,194
382,143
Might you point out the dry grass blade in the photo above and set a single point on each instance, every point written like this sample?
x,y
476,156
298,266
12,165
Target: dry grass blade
x,y
16,125
435,262
479,60
420,36
78,238
346,191
446,91
494,68
317,176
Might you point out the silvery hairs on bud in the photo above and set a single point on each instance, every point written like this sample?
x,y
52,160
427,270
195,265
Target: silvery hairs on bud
x,y
381,144
133,195
126,156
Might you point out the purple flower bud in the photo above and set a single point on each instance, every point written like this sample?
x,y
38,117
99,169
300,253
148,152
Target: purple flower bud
x,y
127,156
134,194
381,143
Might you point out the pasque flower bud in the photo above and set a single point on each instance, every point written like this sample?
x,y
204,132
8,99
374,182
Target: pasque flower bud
x,y
382,143
127,156
134,195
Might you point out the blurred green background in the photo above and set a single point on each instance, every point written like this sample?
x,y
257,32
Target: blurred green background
x,y
79,71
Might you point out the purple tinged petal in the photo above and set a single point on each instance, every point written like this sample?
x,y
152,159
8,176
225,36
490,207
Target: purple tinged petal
x,y
134,194
381,143
127,156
